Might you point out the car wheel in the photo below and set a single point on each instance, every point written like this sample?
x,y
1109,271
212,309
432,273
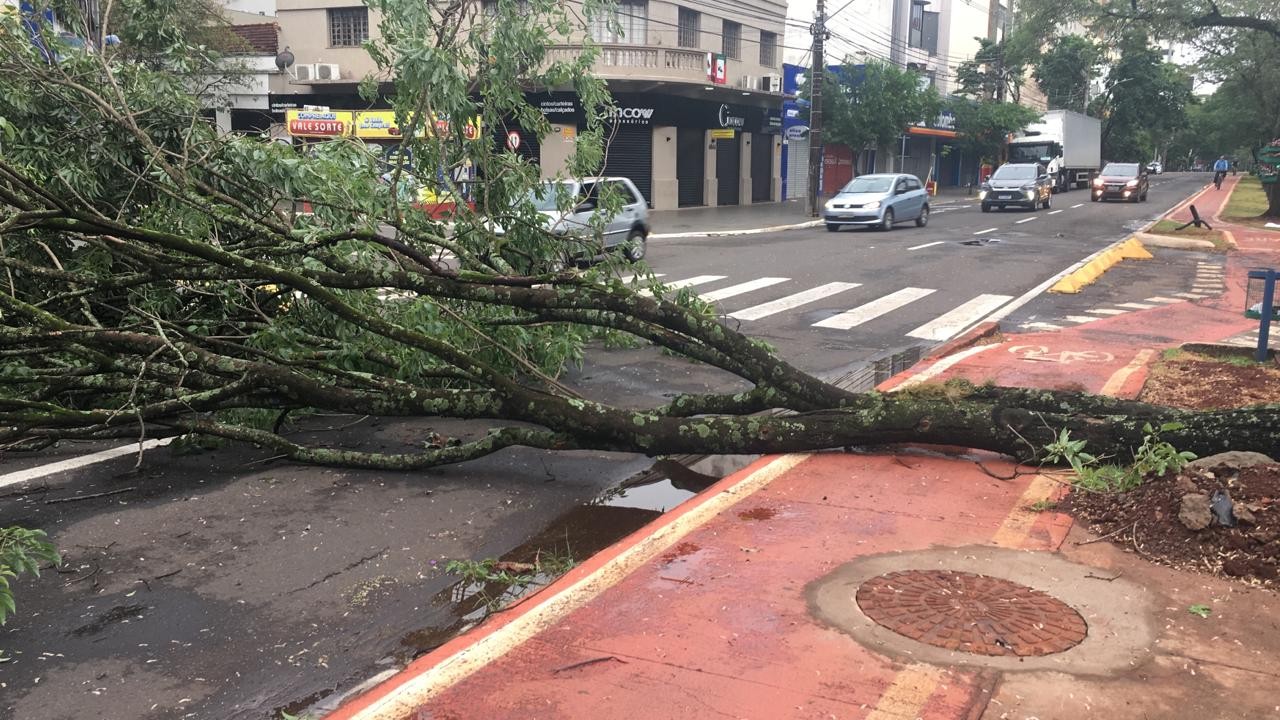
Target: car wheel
x,y
886,223
832,227
986,207
634,248
924,217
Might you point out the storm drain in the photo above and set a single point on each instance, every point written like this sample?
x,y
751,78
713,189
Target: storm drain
x,y
972,613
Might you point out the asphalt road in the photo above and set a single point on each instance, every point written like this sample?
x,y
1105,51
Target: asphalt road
x,y
225,584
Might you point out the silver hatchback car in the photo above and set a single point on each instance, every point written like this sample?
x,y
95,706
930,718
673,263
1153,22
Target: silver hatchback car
x,y
626,231
878,201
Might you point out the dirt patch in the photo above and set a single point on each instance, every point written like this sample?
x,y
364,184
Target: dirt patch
x,y
1169,228
758,513
1194,382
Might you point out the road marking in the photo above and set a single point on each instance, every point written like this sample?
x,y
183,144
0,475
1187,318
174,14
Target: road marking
x,y
983,232
1026,220
628,279
920,247
907,695
1136,306
1073,207
1106,311
941,366
1159,299
1017,525
35,473
741,288
1055,212
1116,381
1080,319
952,323
1191,296
1040,326
687,282
874,309
793,301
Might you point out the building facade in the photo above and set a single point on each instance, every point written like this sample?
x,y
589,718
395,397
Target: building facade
x,y
698,88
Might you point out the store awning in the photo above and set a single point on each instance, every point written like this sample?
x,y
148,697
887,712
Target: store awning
x,y
932,132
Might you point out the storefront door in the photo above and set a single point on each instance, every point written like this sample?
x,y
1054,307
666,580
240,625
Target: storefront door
x,y
629,154
761,168
728,170
691,164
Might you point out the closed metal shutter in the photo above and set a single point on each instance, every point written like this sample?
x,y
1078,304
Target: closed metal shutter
x,y
691,166
798,169
629,154
761,168
728,170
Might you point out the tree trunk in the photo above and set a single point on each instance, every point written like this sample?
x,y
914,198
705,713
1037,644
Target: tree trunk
x,y
1273,199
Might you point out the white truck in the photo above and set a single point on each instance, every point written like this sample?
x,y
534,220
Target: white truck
x,y
1068,143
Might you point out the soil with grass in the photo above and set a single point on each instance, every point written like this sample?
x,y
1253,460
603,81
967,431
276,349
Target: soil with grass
x,y
1168,520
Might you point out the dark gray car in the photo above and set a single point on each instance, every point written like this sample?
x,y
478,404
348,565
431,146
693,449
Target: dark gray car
x,y
1022,184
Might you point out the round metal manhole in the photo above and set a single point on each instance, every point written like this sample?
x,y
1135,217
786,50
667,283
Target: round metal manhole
x,y
971,613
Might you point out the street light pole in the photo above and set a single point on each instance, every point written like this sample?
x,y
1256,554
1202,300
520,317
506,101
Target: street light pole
x,y
819,31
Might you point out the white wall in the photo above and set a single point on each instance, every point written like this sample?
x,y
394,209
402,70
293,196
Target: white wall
x,y
253,7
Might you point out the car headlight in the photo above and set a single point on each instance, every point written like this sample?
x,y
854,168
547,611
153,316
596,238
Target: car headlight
x,y
829,204
1097,182
1131,183
982,194
874,204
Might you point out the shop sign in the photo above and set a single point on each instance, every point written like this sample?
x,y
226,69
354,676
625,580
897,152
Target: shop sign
x,y
559,107
797,132
631,115
717,68
377,125
728,119
722,134
318,123
946,120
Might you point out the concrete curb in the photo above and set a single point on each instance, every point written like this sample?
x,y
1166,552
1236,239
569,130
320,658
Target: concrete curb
x,y
1095,265
1165,241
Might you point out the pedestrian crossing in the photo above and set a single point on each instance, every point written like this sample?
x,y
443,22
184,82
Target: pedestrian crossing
x,y
771,297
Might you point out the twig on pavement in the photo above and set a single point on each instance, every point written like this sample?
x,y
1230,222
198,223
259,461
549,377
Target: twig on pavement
x,y
78,498
592,661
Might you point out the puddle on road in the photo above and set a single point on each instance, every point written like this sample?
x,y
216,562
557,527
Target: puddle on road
x,y
981,241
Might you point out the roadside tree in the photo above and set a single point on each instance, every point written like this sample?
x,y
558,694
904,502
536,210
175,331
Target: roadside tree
x,y
1066,70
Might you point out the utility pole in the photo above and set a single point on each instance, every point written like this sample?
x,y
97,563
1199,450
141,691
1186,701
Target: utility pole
x,y
819,31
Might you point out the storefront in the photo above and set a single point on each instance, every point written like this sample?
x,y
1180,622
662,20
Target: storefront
x,y
679,151
795,136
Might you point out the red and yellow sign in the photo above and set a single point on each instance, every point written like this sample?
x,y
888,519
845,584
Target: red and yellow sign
x,y
377,125
318,123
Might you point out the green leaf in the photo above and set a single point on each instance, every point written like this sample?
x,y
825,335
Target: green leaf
x,y
1203,611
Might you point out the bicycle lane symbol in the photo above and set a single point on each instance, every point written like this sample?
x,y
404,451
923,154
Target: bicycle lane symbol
x,y
1040,353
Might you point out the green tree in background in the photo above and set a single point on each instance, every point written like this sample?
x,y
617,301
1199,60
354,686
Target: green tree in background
x,y
983,127
871,105
1065,71
1145,99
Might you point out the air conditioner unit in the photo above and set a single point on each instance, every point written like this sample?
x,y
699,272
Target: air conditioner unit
x,y
750,82
773,83
328,71
304,73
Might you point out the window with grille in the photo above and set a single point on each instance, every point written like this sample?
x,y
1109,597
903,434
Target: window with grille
x,y
690,28
768,49
348,27
732,40
627,24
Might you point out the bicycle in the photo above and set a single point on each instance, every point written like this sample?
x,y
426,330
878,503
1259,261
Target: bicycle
x,y
1217,179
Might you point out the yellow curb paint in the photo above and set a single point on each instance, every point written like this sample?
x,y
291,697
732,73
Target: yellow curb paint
x,y
1130,249
1118,378
416,691
1017,524
907,694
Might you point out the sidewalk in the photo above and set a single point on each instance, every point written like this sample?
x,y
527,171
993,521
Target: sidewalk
x,y
753,219
888,586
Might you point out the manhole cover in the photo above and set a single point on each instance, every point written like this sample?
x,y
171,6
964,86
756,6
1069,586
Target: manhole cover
x,y
971,613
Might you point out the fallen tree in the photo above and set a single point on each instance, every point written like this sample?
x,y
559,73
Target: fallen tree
x,y
158,281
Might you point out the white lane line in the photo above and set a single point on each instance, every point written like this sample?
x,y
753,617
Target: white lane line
x,y
741,288
1191,296
1160,299
1026,220
687,282
1040,326
1073,207
950,324
1136,306
35,473
921,247
941,366
1106,311
983,232
1080,319
1055,212
874,309
792,301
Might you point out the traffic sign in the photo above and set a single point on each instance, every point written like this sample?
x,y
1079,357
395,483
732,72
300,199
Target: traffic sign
x,y
513,140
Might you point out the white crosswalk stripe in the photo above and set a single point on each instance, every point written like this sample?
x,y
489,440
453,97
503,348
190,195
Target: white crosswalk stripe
x,y
793,301
1165,300
874,309
687,282
1106,311
952,323
1080,319
1136,306
1040,326
628,279
1191,296
742,288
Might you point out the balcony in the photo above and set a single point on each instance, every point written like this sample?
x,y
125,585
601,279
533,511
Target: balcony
x,y
641,62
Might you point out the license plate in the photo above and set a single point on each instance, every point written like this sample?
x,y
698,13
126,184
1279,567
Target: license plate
x,y
1007,196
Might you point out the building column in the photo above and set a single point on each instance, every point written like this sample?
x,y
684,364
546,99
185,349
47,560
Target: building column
x,y
222,118
666,187
775,181
555,149
744,168
710,183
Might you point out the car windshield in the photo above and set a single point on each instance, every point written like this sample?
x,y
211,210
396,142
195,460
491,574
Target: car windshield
x,y
545,197
869,184
1015,172
1121,170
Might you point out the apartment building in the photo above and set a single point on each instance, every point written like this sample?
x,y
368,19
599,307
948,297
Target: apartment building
x,y
697,84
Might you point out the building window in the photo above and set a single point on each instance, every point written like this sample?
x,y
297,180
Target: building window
x,y
923,31
627,24
690,28
348,27
732,40
768,49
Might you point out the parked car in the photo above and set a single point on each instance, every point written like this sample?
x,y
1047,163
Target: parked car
x,y
1155,167
627,230
878,201
1121,181
1024,184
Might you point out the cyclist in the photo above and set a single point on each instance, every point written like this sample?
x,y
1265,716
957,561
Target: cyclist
x,y
1220,169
